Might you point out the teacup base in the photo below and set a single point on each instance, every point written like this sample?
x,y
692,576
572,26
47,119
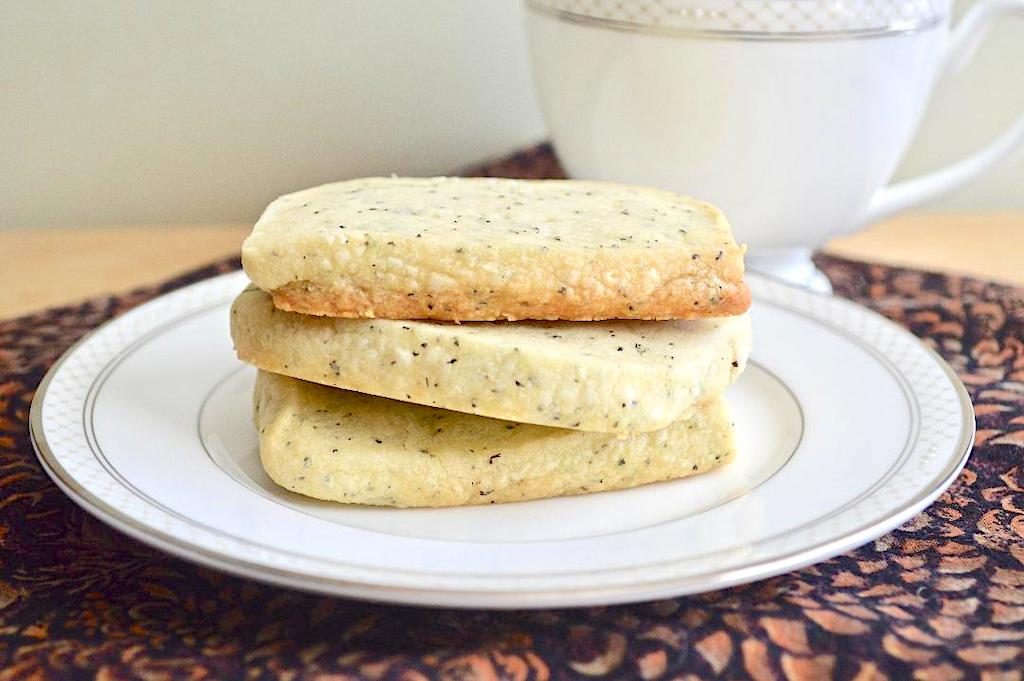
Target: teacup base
x,y
792,265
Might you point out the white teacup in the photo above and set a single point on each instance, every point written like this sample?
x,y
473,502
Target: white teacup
x,y
791,115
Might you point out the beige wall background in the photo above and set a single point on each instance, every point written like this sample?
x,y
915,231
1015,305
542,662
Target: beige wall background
x,y
118,111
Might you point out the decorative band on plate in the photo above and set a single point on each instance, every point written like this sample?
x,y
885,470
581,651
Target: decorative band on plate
x,y
752,19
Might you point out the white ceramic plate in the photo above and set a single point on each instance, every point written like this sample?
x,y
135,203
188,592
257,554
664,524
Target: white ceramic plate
x,y
847,426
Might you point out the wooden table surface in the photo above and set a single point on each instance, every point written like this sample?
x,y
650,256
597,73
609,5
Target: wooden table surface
x,y
46,267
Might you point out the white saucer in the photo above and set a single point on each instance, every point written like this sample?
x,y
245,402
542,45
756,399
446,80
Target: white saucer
x,y
847,424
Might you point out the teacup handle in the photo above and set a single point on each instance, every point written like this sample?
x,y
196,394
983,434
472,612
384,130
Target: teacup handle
x,y
964,41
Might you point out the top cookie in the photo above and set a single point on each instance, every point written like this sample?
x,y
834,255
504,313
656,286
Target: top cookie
x,y
482,249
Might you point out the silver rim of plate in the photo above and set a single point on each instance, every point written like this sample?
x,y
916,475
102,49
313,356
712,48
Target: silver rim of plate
x,y
942,411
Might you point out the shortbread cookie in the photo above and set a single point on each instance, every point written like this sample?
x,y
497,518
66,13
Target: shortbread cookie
x,y
345,446
609,377
484,249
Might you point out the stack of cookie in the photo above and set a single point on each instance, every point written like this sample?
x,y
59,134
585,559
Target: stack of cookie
x,y
444,341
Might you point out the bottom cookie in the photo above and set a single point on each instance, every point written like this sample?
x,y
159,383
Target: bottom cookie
x,y
354,448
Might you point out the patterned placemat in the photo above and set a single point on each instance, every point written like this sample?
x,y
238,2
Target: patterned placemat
x,y
940,598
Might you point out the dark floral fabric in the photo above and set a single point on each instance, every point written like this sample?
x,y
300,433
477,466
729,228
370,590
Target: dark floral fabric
x,y
940,598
